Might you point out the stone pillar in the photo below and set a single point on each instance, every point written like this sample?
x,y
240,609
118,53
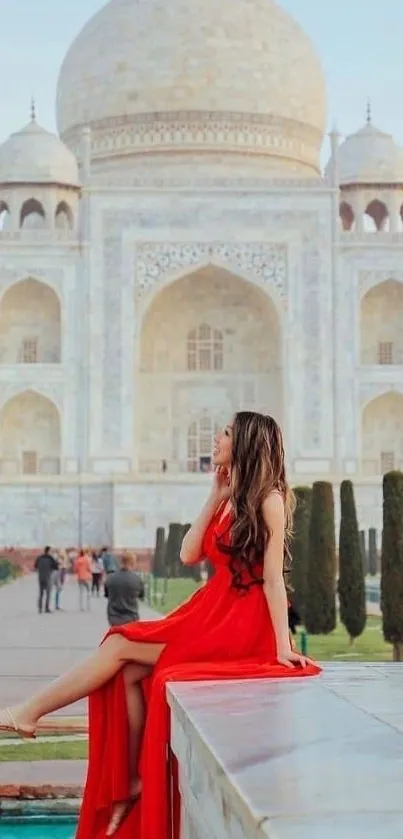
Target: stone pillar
x,y
337,399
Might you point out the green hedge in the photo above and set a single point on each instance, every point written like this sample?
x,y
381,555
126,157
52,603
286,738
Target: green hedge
x,y
8,571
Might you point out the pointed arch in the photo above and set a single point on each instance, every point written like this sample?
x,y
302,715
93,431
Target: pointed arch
x,y
32,215
382,433
30,434
64,218
382,324
4,215
30,324
250,278
376,217
210,344
347,216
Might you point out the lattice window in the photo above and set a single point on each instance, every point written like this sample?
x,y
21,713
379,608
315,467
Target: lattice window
x,y
29,351
200,444
29,463
205,349
385,352
387,462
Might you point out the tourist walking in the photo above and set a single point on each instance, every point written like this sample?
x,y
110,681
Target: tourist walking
x,y
83,572
110,564
124,589
58,578
45,566
97,570
235,627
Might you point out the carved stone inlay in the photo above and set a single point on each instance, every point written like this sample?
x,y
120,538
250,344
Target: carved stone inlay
x,y
265,263
239,132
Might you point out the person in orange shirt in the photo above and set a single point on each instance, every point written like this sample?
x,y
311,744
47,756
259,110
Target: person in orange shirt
x,y
83,572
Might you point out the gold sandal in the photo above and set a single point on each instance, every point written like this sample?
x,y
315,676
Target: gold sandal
x,y
117,820
13,728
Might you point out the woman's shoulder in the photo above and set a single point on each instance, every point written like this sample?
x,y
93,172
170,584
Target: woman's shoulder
x,y
273,504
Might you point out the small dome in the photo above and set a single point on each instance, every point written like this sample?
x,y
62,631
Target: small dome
x,y
34,155
370,157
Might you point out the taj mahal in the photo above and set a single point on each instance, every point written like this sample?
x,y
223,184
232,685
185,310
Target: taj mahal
x,y
178,253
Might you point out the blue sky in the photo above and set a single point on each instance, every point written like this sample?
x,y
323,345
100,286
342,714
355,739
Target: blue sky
x,y
359,41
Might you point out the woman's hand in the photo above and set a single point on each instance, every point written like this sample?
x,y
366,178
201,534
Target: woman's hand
x,y
220,490
291,658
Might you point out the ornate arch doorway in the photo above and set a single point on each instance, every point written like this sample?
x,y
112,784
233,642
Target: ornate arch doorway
x,y
210,345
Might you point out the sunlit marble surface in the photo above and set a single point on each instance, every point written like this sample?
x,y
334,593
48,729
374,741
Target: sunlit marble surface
x,y
314,758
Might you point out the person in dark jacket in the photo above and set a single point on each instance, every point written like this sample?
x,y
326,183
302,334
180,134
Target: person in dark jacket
x,y
45,564
124,589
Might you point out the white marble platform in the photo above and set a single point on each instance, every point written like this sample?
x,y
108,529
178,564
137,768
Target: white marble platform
x,y
292,759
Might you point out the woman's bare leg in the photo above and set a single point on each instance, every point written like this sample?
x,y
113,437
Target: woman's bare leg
x,y
83,679
133,675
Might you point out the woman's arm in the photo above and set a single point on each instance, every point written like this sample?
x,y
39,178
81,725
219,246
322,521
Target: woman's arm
x,y
192,543
274,586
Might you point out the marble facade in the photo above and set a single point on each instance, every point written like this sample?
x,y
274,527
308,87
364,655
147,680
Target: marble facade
x,y
172,267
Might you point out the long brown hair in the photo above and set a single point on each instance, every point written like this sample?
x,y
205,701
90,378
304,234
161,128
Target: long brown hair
x,y
257,468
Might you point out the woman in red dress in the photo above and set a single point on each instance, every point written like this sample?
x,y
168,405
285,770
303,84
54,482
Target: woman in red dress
x,y
235,627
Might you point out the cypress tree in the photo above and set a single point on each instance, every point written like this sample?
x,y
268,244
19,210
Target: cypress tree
x,y
299,548
352,599
158,565
372,552
392,562
172,550
320,601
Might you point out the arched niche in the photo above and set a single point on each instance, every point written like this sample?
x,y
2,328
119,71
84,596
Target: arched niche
x,y
210,344
382,324
382,434
30,324
30,437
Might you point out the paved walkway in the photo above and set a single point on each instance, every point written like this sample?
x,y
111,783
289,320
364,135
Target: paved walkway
x,y
37,648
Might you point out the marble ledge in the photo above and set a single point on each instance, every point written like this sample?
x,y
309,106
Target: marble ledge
x,y
314,758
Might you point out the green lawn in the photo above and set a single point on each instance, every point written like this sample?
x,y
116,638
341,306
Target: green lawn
x,y
177,592
27,750
336,646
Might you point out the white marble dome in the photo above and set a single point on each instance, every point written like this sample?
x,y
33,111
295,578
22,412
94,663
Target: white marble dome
x,y
370,156
34,155
240,74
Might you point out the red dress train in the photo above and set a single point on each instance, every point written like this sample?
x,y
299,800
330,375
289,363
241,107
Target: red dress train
x,y
217,634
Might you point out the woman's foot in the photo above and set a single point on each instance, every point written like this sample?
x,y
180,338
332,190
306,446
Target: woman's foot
x,y
121,809
12,720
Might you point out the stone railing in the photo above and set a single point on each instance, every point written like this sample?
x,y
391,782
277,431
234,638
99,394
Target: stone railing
x,y
291,759
38,237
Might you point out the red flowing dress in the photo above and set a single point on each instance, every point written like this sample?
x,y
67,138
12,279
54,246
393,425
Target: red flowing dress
x,y
217,634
